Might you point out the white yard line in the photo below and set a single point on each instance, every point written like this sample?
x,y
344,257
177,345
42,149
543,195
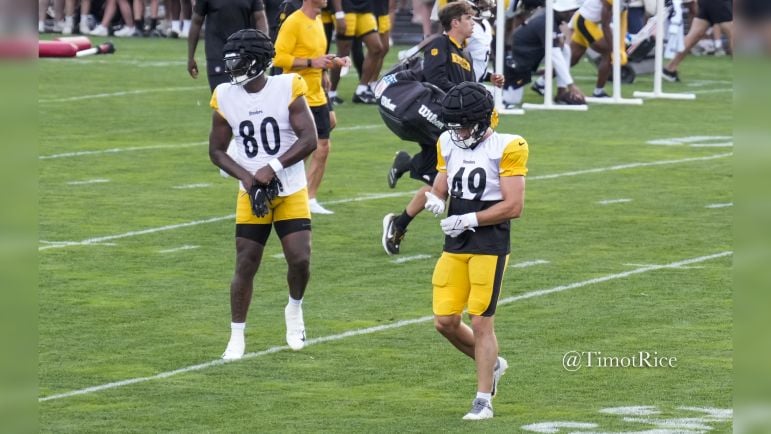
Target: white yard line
x,y
719,205
189,186
630,166
404,259
88,181
529,263
97,240
612,201
119,150
170,146
179,249
114,94
722,90
384,327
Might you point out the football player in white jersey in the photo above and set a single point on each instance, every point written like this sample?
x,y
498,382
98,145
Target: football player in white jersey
x,y
483,173
274,132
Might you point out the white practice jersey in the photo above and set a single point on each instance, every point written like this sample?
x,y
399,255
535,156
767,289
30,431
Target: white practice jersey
x,y
260,123
475,174
478,46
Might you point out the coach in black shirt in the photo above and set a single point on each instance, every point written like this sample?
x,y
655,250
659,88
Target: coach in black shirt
x,y
223,18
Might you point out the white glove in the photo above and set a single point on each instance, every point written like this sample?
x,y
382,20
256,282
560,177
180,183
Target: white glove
x,y
455,225
434,204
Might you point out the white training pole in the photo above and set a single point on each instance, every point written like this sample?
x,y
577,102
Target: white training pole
x,y
500,31
659,62
616,55
548,99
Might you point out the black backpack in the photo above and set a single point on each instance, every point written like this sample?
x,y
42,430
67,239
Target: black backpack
x,y
409,107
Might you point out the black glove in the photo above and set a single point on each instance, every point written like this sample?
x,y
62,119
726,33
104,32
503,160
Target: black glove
x,y
261,195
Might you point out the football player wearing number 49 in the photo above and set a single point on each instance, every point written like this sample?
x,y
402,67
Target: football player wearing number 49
x,y
483,172
274,132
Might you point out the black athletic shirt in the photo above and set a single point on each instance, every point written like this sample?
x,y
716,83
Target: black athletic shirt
x,y
223,18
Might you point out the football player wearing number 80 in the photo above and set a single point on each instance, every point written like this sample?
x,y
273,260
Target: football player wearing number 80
x,y
483,172
274,132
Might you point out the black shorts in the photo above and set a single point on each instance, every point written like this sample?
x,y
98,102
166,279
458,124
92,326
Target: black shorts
x,y
321,116
423,164
520,72
216,73
716,11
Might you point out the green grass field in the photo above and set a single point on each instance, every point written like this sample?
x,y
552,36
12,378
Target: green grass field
x,y
624,246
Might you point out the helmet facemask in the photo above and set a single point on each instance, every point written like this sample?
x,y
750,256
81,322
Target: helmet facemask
x,y
473,133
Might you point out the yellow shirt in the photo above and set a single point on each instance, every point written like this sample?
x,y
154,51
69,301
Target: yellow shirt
x,y
303,37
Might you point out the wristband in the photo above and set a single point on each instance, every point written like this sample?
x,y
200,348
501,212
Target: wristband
x,y
275,165
339,15
310,62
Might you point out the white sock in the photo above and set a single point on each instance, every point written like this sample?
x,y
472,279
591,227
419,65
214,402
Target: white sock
x,y
186,24
541,81
312,201
293,302
486,396
361,88
237,329
513,96
332,93
598,90
175,26
718,44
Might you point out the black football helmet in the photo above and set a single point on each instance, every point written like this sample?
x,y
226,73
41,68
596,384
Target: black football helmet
x,y
247,54
467,106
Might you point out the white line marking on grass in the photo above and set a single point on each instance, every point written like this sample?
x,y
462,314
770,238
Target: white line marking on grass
x,y
612,201
719,205
693,141
395,325
649,265
278,256
71,243
179,249
88,181
702,83
175,146
554,427
529,263
411,193
726,89
638,410
187,186
97,240
118,150
113,94
630,166
410,258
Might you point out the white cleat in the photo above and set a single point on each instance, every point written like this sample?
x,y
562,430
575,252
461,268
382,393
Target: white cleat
x,y
480,409
316,207
235,350
500,368
295,327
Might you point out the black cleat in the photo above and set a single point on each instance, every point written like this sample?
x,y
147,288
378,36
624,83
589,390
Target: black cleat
x,y
671,76
400,165
392,236
366,97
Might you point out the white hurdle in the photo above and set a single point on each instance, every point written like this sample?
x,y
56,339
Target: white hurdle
x,y
616,98
548,97
659,63
500,31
